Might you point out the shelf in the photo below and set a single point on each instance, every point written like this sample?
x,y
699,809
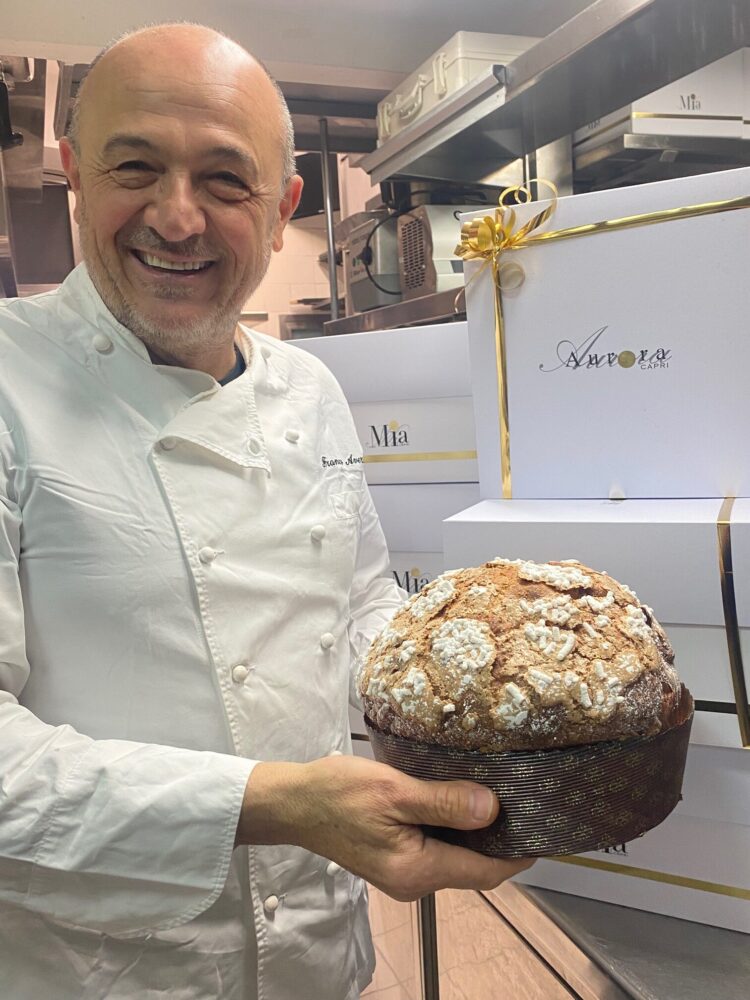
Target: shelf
x,y
630,159
438,308
613,52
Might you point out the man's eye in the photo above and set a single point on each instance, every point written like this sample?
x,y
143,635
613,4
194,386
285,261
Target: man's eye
x,y
133,165
226,178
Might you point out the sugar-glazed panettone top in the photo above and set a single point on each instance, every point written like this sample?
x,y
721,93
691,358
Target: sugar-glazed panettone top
x,y
521,655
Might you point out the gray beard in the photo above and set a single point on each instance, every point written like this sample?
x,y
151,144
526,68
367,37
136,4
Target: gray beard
x,y
166,339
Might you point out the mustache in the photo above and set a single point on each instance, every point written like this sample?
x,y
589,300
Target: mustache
x,y
145,238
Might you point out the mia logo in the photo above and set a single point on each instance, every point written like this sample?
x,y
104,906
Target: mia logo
x,y
592,354
392,435
690,102
411,580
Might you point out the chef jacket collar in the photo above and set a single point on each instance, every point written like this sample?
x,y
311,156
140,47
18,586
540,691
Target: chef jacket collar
x,y
223,420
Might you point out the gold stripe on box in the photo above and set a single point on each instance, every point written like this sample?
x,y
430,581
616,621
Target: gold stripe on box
x,y
666,878
731,621
423,456
688,117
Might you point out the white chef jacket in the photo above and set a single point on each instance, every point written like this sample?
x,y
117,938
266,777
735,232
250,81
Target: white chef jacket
x,y
185,586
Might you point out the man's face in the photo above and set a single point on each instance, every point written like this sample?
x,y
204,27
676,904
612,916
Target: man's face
x,y
179,196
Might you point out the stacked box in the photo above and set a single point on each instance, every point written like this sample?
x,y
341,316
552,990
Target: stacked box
x,y
706,103
625,357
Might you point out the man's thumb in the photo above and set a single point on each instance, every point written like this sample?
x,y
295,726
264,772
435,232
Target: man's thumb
x,y
462,805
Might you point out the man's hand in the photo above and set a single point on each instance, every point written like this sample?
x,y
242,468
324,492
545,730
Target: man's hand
x,y
365,817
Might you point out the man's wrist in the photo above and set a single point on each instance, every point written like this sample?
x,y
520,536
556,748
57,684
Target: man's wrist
x,y
273,804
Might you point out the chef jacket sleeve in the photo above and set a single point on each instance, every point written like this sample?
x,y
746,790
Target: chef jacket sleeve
x,y
115,836
375,597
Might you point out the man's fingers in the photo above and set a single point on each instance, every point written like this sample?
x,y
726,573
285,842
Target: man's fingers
x,y
450,867
462,805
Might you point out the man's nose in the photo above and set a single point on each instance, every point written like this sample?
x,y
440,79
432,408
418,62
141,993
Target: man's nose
x,y
174,212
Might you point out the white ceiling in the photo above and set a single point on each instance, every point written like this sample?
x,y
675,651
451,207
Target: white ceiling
x,y
382,35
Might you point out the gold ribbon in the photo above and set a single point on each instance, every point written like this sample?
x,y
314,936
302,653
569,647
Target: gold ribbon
x,y
491,237
731,620
488,239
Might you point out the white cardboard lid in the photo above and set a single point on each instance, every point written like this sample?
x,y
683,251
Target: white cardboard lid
x,y
418,363
666,550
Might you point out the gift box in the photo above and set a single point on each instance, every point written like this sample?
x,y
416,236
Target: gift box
x,y
706,103
607,342
695,865
687,559
410,396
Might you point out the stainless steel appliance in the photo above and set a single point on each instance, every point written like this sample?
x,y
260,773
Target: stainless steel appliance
x,y
427,238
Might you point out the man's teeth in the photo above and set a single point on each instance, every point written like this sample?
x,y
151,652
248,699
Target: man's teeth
x,y
172,265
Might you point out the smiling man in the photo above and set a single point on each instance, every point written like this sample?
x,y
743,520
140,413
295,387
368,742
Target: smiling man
x,y
186,586
184,182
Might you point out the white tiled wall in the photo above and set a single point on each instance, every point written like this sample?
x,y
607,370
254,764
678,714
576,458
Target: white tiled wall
x,y
293,274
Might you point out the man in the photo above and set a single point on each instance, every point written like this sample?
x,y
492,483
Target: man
x,y
185,590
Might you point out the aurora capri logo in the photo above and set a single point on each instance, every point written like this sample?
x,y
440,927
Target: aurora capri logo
x,y
591,356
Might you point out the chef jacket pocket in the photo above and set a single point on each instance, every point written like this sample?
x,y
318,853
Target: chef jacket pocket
x,y
345,488
345,504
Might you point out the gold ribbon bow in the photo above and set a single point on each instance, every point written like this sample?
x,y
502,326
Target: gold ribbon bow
x,y
488,239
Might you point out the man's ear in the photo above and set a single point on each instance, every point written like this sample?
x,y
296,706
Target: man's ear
x,y
72,172
287,208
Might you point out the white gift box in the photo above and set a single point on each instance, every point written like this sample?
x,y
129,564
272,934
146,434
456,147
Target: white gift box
x,y
626,350
463,57
708,102
695,865
666,550
410,396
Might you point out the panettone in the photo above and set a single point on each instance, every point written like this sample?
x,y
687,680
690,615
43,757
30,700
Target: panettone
x,y
516,655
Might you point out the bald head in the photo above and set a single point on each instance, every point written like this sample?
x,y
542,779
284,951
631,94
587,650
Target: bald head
x,y
207,56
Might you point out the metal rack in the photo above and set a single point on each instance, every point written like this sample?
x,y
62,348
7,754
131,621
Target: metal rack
x,y
629,159
613,52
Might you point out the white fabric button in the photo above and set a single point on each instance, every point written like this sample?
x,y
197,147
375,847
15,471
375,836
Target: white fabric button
x,y
207,554
254,446
336,753
332,869
271,904
327,640
240,673
318,532
266,353
103,344
168,443
292,435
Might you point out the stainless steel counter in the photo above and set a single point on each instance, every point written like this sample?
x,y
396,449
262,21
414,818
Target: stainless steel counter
x,y
604,952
